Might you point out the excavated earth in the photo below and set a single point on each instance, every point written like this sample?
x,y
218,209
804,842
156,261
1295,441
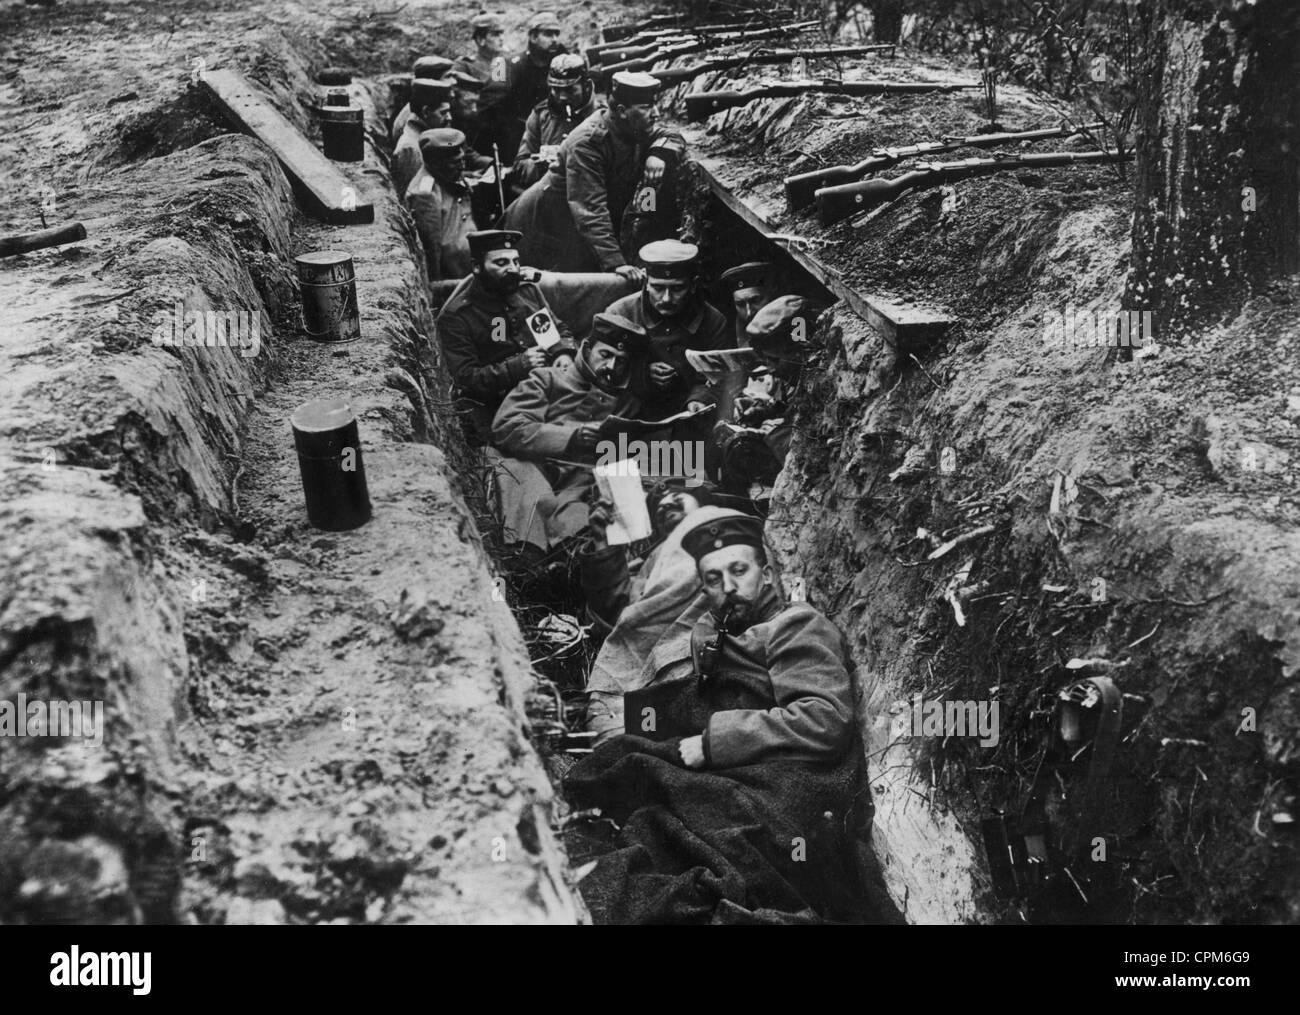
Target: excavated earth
x,y
1172,555
316,727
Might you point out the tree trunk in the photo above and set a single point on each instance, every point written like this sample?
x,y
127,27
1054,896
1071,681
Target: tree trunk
x,y
886,20
1217,202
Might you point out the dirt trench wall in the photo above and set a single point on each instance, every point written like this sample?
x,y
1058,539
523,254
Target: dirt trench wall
x,y
139,551
1171,553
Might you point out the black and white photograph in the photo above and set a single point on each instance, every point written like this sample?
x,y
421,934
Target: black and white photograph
x,y
668,462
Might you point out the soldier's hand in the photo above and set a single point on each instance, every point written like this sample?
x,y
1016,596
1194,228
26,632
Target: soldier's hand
x,y
662,374
584,439
654,170
598,520
535,356
692,752
631,273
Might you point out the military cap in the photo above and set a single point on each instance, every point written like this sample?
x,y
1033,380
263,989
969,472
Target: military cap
x,y
467,82
733,530
633,89
431,67
566,69
775,322
669,259
543,19
485,241
617,331
752,275
430,91
441,141
485,22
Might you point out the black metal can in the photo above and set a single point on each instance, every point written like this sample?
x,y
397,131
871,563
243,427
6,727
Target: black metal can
x,y
342,132
329,459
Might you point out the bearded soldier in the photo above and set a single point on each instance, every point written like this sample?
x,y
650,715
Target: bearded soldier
x,y
572,218
571,99
494,329
556,413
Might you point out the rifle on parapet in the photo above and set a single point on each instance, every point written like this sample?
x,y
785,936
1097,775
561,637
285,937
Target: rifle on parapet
x,y
702,105
800,188
685,45
662,21
836,203
676,75
594,53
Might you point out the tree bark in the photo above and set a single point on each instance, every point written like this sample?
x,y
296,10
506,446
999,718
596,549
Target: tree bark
x,y
1217,202
886,20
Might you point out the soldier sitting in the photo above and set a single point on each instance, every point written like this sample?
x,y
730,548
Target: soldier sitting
x,y
571,99
495,329
440,204
427,68
672,310
751,289
430,110
556,413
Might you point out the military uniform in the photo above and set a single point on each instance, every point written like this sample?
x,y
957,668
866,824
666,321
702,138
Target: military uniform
x,y
546,127
492,71
572,218
484,337
544,417
701,326
407,160
426,68
444,221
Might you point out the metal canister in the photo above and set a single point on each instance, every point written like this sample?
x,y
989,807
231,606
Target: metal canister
x,y
337,97
342,132
329,459
329,295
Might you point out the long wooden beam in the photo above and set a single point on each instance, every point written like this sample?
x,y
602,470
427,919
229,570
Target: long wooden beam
x,y
322,188
908,330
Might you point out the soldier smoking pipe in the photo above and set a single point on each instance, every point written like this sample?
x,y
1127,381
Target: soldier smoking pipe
x,y
800,188
701,105
836,203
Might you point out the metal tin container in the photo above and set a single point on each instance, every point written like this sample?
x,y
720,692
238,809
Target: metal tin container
x,y
329,295
342,131
337,97
329,459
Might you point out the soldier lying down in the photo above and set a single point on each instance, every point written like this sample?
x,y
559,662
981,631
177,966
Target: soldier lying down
x,y
734,784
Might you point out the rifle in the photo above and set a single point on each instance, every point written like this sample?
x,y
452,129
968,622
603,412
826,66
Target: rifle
x,y
701,105
675,44
836,203
800,188
676,75
658,35
659,21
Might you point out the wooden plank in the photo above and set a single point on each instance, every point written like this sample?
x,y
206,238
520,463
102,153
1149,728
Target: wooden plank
x,y
318,183
909,330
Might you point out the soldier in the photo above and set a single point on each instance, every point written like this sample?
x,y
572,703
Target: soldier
x,y
440,204
787,659
556,413
672,310
430,110
465,117
751,289
572,218
526,78
752,445
571,99
488,64
427,68
495,328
